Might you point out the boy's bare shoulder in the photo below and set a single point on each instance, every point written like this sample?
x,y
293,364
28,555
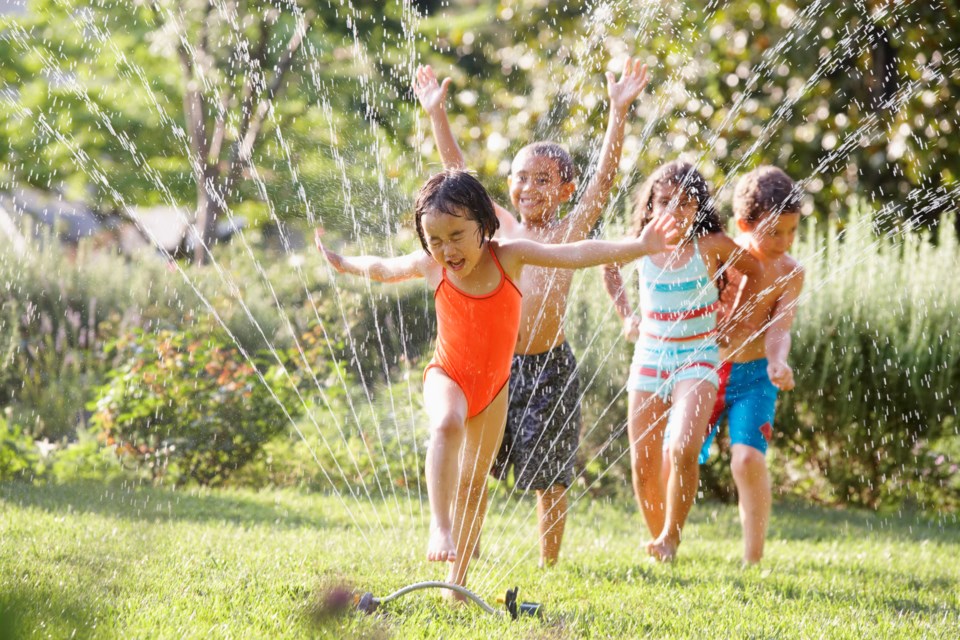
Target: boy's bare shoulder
x,y
791,267
788,273
553,233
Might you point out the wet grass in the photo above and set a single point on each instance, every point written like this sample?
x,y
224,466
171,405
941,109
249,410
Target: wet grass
x,y
90,561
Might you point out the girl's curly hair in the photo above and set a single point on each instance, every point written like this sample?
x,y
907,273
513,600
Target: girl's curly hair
x,y
683,175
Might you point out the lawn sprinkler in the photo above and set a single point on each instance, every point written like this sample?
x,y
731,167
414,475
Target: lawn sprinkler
x,y
368,603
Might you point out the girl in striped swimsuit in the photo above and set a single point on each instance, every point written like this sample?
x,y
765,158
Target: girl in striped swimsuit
x,y
673,376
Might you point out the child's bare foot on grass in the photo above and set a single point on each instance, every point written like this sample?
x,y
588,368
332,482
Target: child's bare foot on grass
x,y
440,548
663,549
453,597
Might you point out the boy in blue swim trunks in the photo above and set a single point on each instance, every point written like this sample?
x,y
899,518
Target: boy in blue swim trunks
x,y
755,342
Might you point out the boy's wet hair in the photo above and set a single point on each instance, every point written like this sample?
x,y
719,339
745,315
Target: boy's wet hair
x,y
765,190
683,175
558,154
456,193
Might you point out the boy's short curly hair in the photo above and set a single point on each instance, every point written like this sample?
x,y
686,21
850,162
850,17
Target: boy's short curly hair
x,y
765,190
456,193
552,150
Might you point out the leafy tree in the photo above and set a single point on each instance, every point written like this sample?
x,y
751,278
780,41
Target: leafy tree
x,y
858,99
220,102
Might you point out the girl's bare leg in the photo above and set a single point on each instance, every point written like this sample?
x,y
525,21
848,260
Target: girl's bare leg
x,y
749,468
646,422
484,433
446,408
693,401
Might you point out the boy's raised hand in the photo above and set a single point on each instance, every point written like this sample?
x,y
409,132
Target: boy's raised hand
x,y
632,81
431,94
660,235
335,260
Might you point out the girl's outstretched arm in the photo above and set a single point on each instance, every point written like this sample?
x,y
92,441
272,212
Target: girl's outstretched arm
x,y
656,237
413,265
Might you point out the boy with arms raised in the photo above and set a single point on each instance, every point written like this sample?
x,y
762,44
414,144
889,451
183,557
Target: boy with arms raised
x,y
543,421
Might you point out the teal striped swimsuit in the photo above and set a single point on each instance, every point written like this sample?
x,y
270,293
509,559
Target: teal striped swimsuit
x,y
678,330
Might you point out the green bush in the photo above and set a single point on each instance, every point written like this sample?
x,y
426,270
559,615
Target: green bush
x,y
19,457
351,442
188,405
878,360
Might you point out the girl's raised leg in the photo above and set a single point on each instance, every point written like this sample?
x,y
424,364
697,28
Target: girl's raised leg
x,y
446,408
647,420
484,432
693,401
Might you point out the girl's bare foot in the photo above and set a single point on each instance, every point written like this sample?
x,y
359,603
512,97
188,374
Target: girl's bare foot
x,y
440,548
663,549
453,597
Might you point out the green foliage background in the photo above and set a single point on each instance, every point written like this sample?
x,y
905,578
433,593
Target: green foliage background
x,y
856,100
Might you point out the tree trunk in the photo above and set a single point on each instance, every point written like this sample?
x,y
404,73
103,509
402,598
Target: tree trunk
x,y
210,205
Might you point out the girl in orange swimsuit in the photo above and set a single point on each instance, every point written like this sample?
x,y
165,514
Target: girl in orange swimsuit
x,y
465,386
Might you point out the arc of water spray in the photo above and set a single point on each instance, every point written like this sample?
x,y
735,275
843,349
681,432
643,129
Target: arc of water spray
x,y
83,160
268,112
897,101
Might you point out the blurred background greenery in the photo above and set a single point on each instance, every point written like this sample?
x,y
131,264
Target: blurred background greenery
x,y
294,114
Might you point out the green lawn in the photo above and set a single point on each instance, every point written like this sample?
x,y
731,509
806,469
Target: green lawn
x,y
91,562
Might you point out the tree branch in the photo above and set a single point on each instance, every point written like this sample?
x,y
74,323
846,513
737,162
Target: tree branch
x,y
252,124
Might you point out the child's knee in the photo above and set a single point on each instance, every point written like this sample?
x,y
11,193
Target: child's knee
x,y
747,462
684,452
448,425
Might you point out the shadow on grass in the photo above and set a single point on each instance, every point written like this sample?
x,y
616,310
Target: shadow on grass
x,y
161,505
808,522
23,613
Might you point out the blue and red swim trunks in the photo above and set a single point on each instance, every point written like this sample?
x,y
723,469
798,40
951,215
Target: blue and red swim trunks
x,y
749,400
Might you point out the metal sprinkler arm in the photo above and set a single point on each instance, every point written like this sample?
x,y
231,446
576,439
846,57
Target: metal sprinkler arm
x,y
368,603
441,585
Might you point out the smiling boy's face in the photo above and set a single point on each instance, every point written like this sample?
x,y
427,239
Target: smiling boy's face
x,y
536,188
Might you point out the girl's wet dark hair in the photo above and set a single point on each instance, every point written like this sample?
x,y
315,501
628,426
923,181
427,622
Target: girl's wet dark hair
x,y
456,193
764,191
677,174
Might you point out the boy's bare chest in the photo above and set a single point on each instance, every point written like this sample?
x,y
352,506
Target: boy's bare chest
x,y
762,294
538,284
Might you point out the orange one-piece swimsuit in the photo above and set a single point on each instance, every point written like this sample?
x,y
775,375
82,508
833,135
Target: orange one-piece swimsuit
x,y
476,338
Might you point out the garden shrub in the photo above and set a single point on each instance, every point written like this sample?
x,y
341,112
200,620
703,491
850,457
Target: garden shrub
x,y
19,456
877,353
187,405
